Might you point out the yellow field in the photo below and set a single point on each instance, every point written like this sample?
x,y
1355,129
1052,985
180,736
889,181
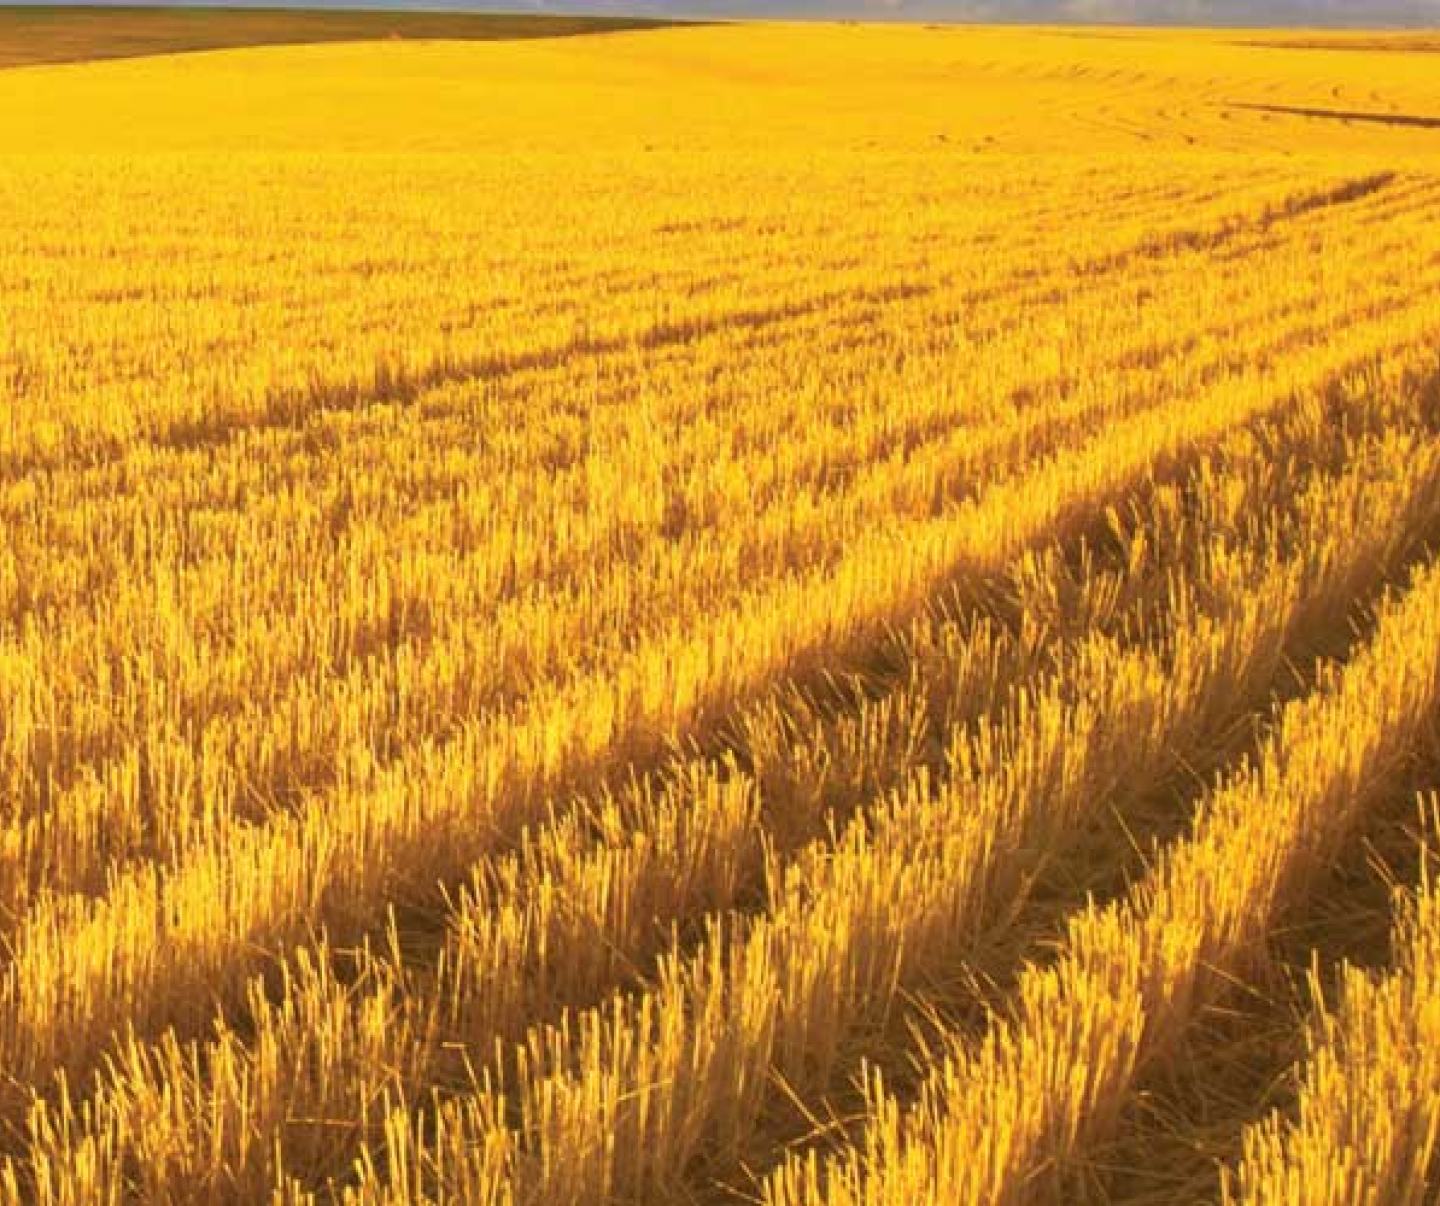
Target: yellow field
x,y
815,614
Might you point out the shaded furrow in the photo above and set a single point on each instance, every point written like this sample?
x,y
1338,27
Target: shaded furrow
x,y
655,1096
1016,1116
1366,1126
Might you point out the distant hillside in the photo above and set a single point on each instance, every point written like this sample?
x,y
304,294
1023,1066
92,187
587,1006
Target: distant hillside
x,y
62,34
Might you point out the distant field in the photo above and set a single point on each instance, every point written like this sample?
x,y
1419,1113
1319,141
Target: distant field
x,y
800,614
1393,42
30,35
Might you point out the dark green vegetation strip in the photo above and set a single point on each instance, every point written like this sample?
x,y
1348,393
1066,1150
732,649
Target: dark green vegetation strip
x,y
66,35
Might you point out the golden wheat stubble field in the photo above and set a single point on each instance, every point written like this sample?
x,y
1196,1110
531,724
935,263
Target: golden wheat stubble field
x,y
812,614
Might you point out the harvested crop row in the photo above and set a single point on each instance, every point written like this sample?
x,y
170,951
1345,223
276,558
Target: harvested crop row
x,y
217,369
250,893
661,1146
1014,1116
88,797
203,763
407,604
228,903
639,1097
556,926
1366,1128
